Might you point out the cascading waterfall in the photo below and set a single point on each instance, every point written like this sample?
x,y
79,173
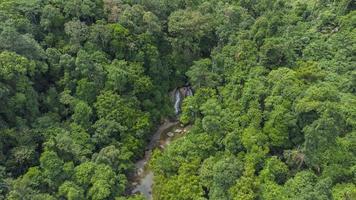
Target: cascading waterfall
x,y
177,99
179,95
189,92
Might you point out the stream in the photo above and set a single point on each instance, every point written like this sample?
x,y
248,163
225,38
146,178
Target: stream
x,y
143,178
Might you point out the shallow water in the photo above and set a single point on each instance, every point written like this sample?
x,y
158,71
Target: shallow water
x,y
145,186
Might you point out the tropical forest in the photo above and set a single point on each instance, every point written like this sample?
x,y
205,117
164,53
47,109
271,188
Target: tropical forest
x,y
177,100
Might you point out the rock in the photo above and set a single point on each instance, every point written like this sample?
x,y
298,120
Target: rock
x,y
178,130
140,171
170,134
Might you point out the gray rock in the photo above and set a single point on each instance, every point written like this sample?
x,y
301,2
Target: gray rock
x,y
140,171
178,130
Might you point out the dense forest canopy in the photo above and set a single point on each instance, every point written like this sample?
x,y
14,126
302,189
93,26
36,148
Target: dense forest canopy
x,y
84,83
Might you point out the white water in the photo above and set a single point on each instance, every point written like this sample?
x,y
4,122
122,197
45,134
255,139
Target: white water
x,y
177,100
189,92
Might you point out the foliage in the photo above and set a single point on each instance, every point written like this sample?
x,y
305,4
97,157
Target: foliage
x,y
83,83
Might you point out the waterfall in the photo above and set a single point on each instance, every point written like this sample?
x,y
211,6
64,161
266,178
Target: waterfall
x,y
189,92
177,99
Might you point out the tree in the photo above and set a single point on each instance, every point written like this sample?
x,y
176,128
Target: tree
x,y
185,186
52,167
82,114
112,157
90,65
188,30
17,94
344,191
219,174
51,18
99,181
83,9
138,20
230,19
18,150
72,145
77,31
271,190
276,52
3,182
305,185
23,44
202,74
124,77
86,91
71,191
108,132
274,170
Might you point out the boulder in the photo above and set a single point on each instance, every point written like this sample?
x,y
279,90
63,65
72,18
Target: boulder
x,y
139,171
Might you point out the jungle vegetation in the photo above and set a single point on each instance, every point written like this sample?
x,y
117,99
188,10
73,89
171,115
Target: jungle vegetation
x,y
84,83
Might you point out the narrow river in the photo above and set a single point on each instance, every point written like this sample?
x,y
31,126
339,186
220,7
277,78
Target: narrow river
x,y
143,179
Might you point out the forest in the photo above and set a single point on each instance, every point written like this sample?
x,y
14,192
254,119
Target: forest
x,y
85,83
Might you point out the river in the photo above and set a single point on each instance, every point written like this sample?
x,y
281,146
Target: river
x,y
143,179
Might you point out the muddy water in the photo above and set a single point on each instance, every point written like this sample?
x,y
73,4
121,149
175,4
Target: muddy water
x,y
143,179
